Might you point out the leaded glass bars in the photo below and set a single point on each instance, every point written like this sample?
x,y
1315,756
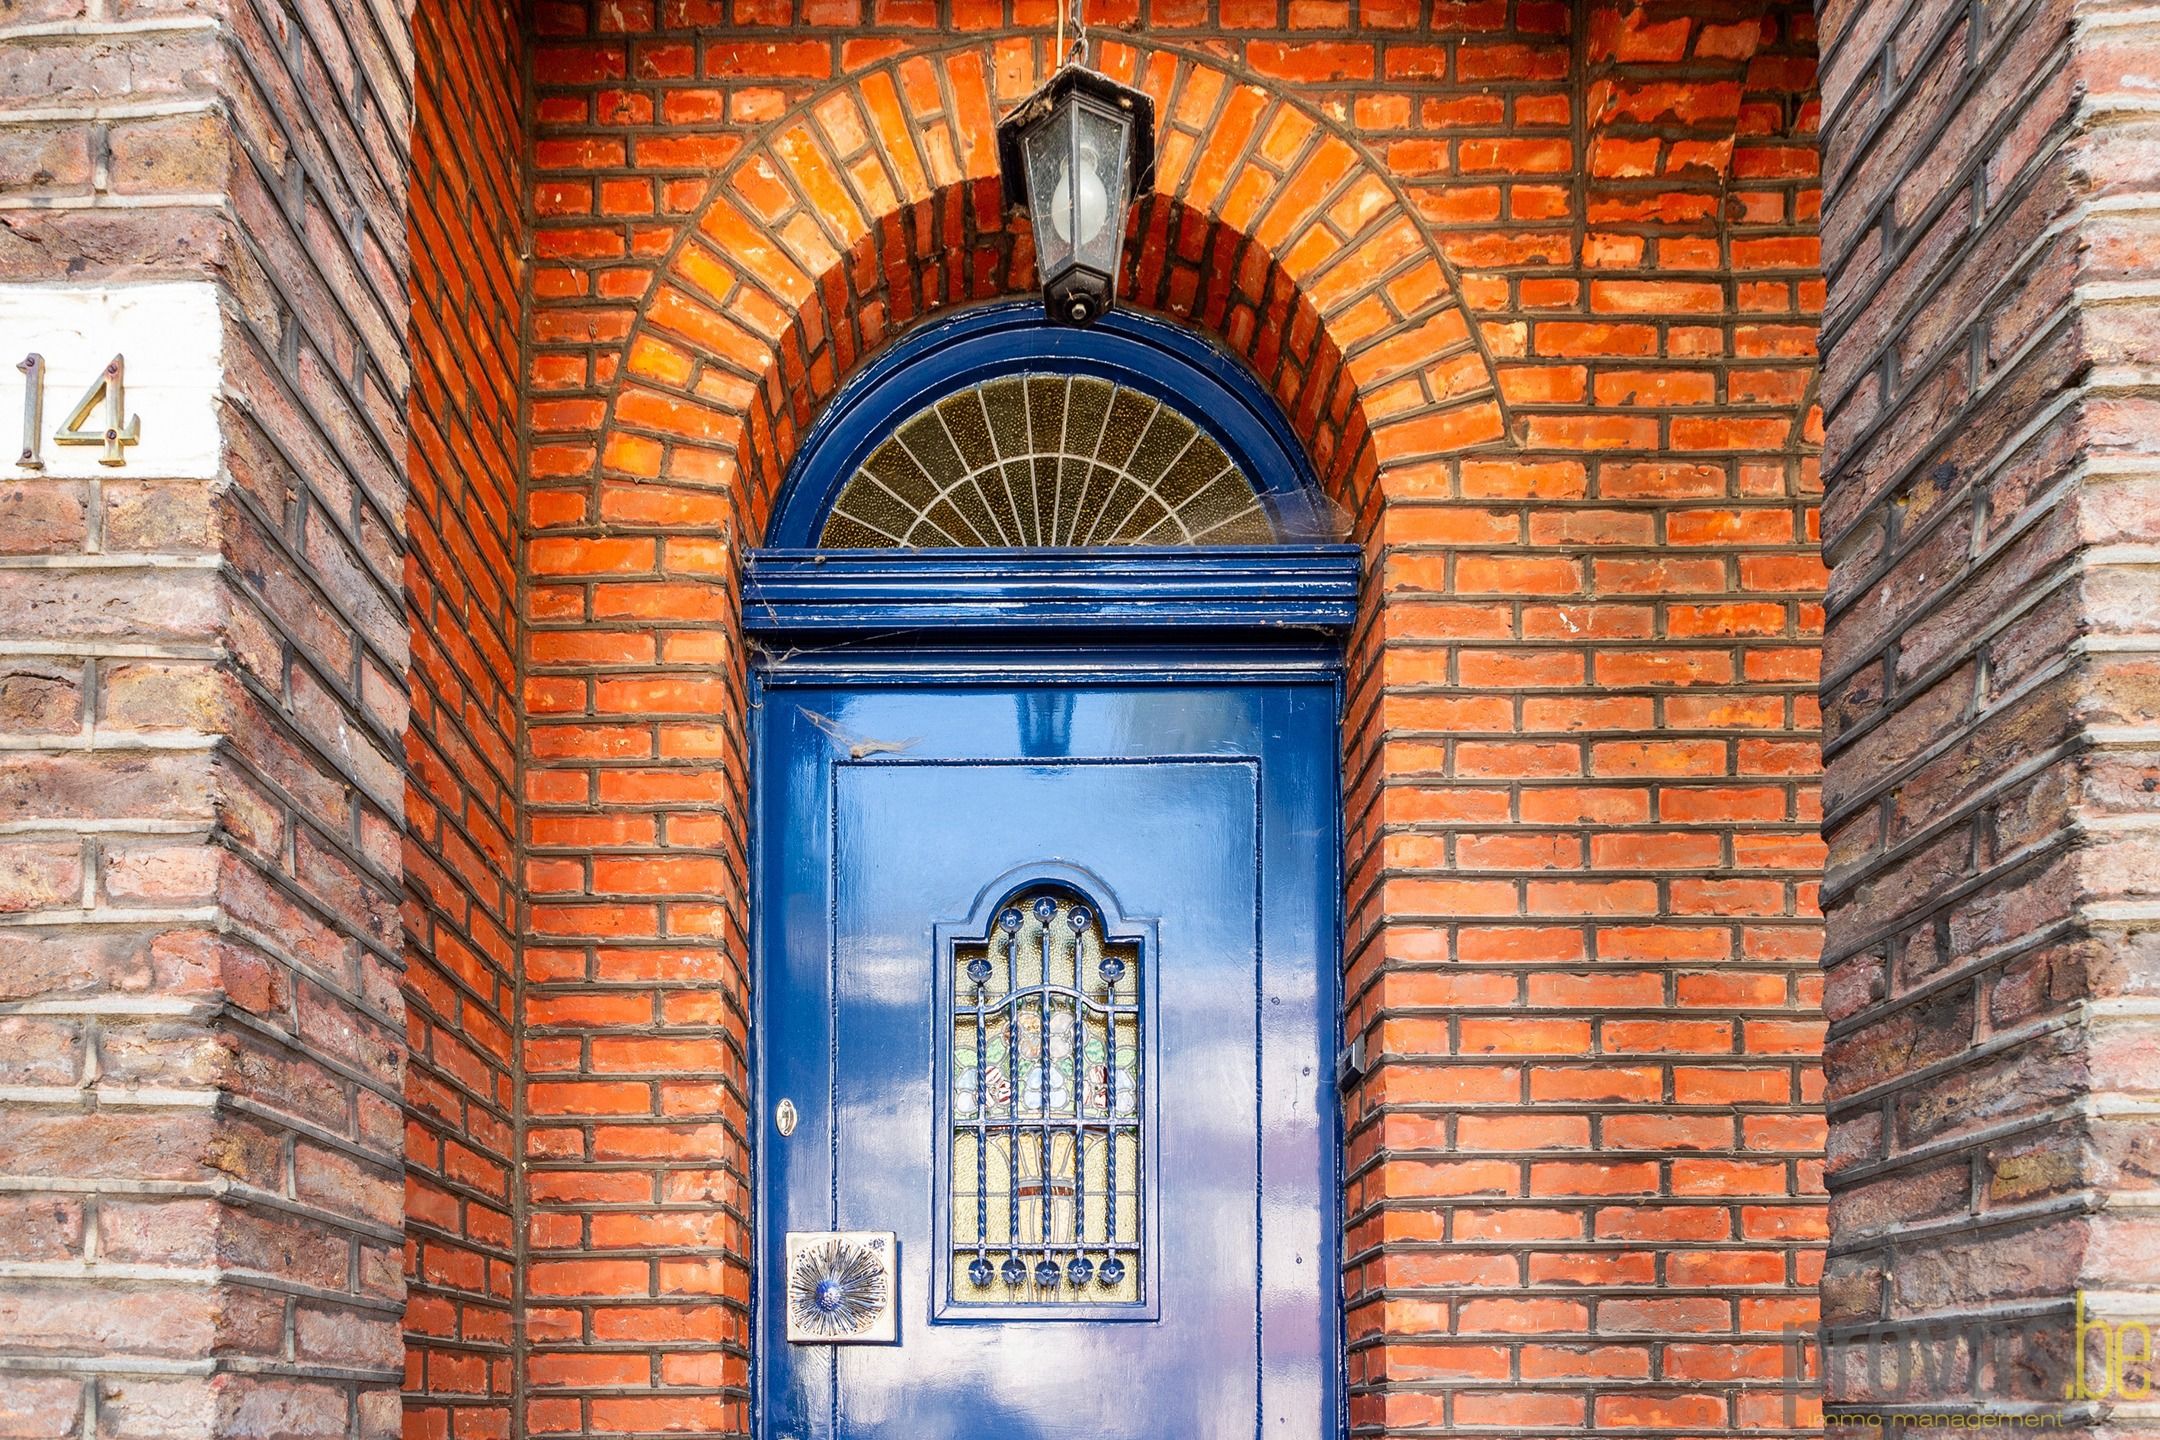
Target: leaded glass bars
x,y
1046,1153
1045,460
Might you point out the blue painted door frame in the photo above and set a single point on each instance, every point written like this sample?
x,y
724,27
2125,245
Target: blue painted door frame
x,y
1154,735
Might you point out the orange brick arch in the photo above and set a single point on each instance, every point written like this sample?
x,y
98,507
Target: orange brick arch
x,y
1538,288
876,203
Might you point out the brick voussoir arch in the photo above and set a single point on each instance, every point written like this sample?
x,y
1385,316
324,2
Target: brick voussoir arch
x,y
875,202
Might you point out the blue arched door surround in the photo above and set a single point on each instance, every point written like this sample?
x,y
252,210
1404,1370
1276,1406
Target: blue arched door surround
x,y
1046,926
1173,365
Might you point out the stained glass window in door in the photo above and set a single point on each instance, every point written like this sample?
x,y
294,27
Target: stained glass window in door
x,y
1047,1189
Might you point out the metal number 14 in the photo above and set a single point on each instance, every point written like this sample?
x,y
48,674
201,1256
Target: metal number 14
x,y
33,408
118,430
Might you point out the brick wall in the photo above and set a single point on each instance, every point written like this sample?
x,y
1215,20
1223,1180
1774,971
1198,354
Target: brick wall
x,y
1582,762
1990,695
1542,298
200,697
1535,282
466,232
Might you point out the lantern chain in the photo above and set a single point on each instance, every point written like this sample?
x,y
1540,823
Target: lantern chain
x,y
1078,54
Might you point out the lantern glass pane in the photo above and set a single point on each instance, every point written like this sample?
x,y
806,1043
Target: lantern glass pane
x,y
1050,190
1103,152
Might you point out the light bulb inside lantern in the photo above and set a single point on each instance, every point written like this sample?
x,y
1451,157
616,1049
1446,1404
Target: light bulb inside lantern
x,y
1094,201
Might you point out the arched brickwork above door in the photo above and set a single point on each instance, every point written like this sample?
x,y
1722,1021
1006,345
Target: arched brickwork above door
x,y
1536,285
876,202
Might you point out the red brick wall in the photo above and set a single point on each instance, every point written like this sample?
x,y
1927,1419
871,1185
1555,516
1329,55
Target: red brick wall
x,y
201,699
466,234
1542,300
1582,764
1991,698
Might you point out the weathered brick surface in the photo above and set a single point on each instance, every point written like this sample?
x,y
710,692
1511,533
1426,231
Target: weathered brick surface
x,y
1989,695
1542,299
1536,283
200,699
466,233
86,92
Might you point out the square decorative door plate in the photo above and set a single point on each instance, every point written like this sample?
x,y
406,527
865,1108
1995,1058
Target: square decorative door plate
x,y
841,1287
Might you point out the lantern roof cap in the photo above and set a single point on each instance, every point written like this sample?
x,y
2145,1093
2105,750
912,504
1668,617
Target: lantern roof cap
x,y
1092,85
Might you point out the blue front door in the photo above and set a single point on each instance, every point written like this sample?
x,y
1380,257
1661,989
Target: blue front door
x,y
1047,1007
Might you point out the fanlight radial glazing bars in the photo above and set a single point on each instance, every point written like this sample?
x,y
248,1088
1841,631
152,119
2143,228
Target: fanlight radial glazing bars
x,y
1037,460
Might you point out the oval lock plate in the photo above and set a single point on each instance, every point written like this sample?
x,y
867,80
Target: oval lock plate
x,y
784,1118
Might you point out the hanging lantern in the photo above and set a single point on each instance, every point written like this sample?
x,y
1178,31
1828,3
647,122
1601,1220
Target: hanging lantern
x,y
1075,153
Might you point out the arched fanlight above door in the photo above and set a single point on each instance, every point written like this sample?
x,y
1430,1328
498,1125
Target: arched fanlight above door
x,y
993,469
996,429
1044,459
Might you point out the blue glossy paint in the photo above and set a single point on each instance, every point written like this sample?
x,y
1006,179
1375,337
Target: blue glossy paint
x,y
824,591
1154,729
1206,385
1198,809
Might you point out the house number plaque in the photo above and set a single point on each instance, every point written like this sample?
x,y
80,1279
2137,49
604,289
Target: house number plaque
x,y
114,430
117,375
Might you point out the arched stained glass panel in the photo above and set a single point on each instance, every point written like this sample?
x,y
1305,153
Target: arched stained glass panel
x,y
1045,1149
1041,460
